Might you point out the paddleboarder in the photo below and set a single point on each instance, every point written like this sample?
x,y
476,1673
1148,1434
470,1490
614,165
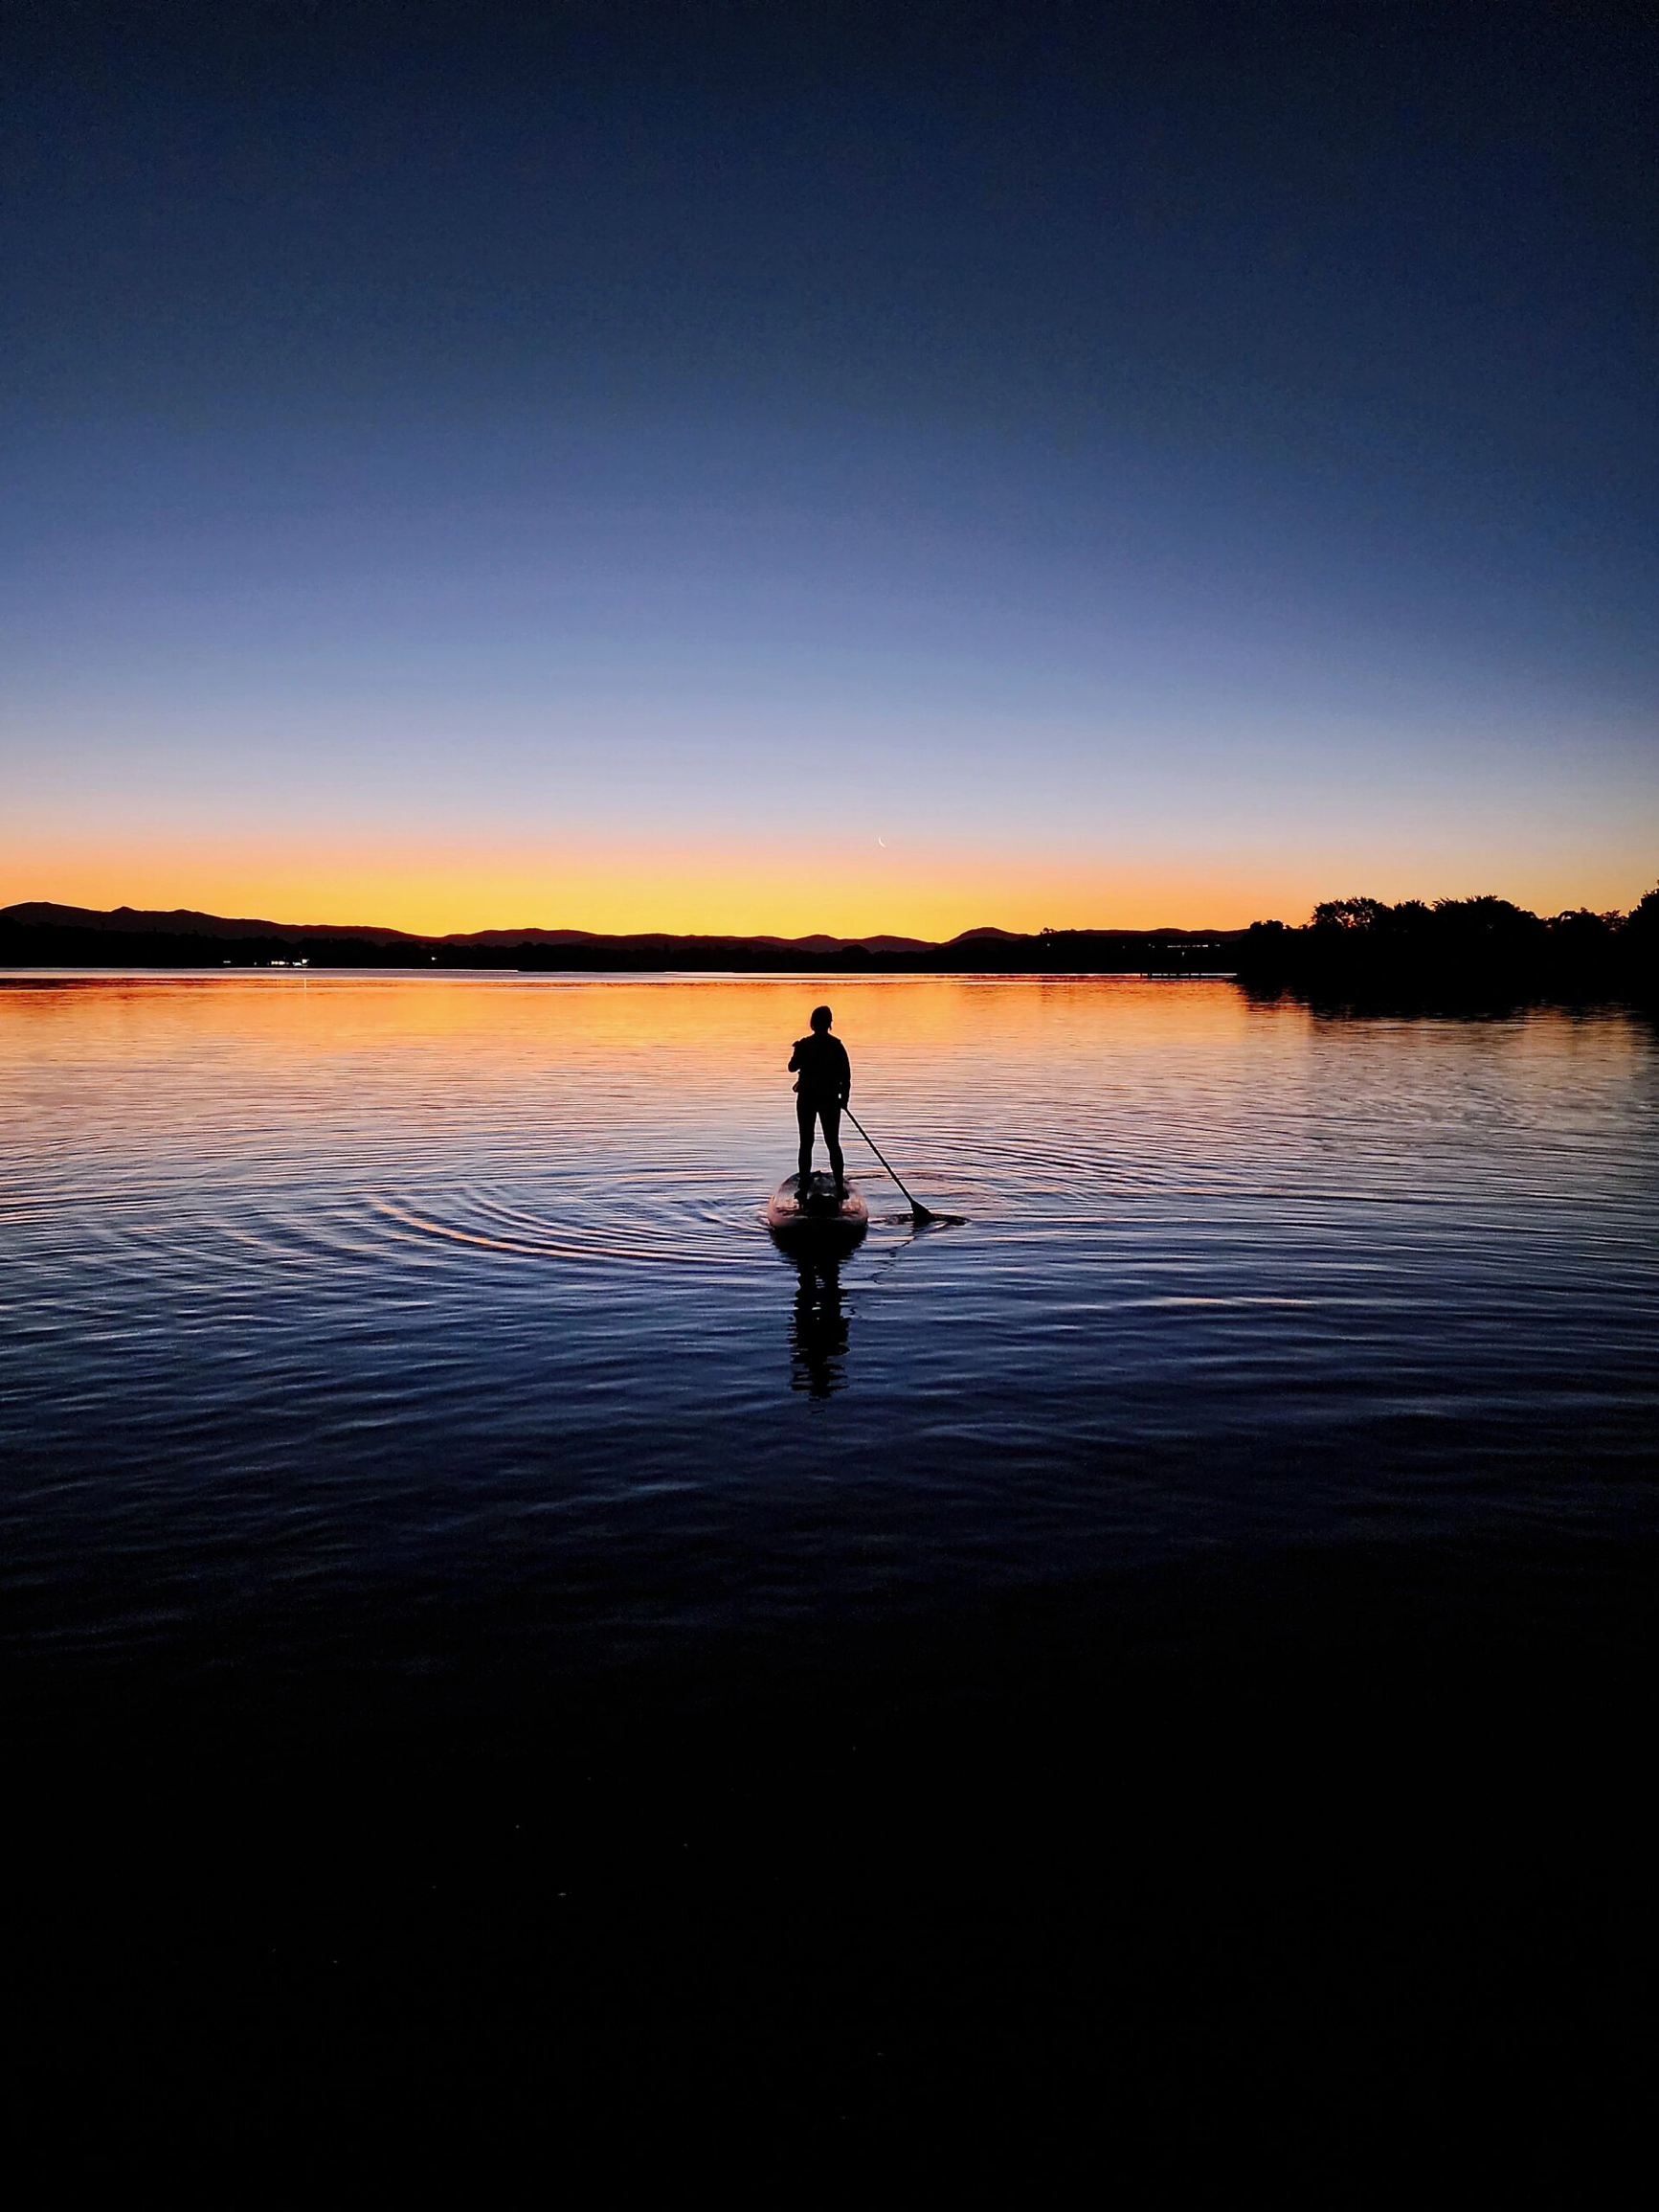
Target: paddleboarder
x,y
823,1083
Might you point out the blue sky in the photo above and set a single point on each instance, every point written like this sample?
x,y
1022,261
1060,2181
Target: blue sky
x,y
1169,470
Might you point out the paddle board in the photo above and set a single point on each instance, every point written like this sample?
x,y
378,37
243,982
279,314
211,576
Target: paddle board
x,y
788,1214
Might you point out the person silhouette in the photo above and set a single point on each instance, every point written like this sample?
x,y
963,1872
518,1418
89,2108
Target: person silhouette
x,y
823,1081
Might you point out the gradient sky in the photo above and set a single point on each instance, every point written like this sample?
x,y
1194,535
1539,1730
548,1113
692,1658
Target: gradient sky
x,y
852,468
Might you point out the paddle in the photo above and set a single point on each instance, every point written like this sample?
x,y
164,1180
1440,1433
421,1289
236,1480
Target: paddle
x,y
919,1213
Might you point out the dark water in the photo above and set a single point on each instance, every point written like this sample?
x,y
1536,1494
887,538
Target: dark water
x,y
404,1361
458,1291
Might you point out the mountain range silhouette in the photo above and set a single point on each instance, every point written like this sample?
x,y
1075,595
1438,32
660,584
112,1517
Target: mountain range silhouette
x,y
42,931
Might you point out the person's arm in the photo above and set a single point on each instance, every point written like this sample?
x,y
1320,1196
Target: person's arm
x,y
794,1059
846,1078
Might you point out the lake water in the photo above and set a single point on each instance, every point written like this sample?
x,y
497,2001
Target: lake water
x,y
426,1329
489,1643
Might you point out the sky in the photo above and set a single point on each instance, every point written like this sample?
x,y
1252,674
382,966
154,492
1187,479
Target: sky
x,y
852,468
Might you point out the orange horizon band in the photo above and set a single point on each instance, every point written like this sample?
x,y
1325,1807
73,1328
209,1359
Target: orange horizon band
x,y
694,900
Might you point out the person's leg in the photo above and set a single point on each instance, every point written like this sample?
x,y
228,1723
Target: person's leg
x,y
803,1115
831,1118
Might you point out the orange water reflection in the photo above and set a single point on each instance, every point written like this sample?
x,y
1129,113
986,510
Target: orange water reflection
x,y
636,1057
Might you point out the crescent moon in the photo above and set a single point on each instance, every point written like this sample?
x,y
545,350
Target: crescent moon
x,y
882,841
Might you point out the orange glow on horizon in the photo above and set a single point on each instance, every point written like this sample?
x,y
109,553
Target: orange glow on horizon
x,y
912,891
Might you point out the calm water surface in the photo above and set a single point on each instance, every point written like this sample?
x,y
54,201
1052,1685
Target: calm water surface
x,y
337,1302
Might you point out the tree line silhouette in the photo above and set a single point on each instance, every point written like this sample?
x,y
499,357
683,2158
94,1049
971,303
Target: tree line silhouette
x,y
1365,945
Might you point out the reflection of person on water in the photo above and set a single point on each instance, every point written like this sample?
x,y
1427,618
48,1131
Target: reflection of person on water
x,y
819,1335
823,1083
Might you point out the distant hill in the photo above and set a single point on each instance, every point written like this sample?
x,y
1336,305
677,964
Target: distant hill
x,y
540,937
186,922
40,933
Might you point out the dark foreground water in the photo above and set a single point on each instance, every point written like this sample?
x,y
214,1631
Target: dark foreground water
x,y
488,1561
